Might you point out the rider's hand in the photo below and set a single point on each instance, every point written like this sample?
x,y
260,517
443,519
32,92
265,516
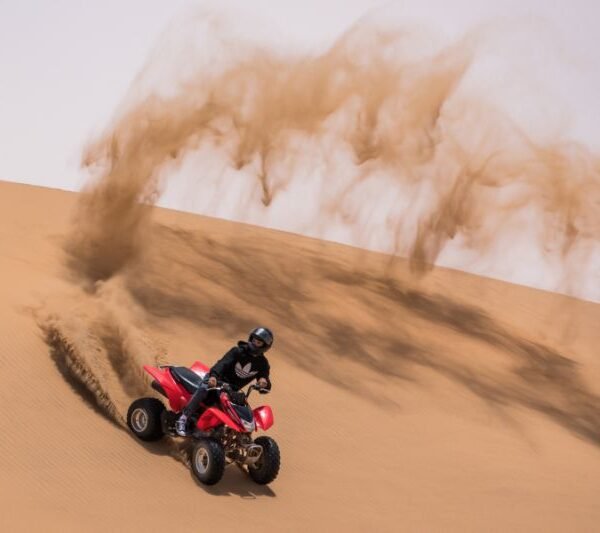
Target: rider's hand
x,y
262,383
212,382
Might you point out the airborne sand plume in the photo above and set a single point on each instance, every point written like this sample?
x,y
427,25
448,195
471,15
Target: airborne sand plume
x,y
381,121
386,141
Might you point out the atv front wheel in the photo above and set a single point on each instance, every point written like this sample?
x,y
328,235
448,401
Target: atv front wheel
x,y
143,418
208,461
266,468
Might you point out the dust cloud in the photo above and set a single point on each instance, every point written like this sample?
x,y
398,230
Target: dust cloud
x,y
377,124
397,148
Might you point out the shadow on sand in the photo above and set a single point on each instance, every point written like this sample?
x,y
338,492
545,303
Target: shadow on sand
x,y
214,285
232,286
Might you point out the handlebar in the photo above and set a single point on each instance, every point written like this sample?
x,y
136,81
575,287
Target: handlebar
x,y
226,388
259,389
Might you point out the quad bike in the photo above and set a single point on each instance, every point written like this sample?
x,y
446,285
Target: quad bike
x,y
222,432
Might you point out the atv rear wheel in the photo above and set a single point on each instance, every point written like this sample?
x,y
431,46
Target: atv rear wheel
x,y
143,418
208,461
267,467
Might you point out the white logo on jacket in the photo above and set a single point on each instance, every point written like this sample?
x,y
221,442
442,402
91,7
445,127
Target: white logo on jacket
x,y
245,371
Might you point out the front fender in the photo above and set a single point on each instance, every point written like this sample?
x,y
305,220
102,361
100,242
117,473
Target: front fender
x,y
214,417
264,417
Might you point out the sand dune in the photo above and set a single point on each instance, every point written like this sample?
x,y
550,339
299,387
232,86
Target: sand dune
x,y
452,403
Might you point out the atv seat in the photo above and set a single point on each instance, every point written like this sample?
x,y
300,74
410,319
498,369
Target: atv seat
x,y
186,377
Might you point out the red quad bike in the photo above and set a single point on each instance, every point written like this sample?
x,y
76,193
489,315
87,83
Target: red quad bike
x,y
222,433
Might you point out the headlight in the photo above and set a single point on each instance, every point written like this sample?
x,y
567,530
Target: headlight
x,y
249,426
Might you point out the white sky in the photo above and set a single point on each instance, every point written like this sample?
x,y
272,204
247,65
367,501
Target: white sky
x,y
65,65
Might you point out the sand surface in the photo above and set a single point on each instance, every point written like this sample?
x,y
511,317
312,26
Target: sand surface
x,y
449,403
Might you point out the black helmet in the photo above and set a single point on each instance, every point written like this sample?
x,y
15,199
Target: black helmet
x,y
265,335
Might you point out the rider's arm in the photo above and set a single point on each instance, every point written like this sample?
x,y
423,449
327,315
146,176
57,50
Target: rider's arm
x,y
264,373
220,367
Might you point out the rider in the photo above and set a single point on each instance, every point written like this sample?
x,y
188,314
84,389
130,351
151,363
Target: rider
x,y
238,367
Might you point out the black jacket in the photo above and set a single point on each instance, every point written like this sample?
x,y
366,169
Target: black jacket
x,y
238,367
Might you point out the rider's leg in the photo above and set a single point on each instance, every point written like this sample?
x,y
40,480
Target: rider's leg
x,y
190,409
197,398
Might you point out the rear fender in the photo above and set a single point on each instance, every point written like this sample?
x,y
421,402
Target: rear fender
x,y
200,368
264,417
212,418
177,395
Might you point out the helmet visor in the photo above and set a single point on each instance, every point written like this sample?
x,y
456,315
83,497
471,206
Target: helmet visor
x,y
264,335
